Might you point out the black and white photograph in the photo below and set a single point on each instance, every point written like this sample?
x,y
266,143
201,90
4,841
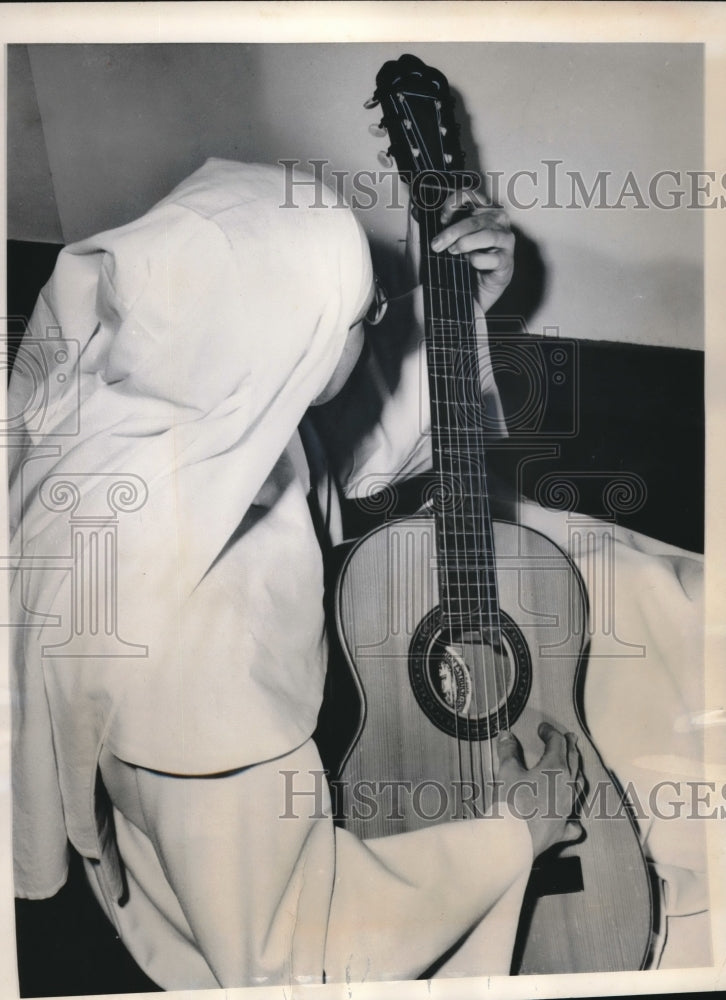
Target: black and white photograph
x,y
358,397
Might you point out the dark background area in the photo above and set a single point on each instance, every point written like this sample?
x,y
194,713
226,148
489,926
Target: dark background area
x,y
589,413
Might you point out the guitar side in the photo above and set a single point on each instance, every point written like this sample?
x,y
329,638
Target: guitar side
x,y
588,905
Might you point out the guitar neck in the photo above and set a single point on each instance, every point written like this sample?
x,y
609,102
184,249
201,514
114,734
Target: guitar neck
x,y
467,580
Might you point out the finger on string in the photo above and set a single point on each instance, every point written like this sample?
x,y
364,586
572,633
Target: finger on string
x,y
581,793
555,752
574,831
478,239
580,789
485,260
476,219
466,200
469,200
573,754
475,227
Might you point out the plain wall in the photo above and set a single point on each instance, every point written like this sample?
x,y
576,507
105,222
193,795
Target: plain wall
x,y
123,123
32,211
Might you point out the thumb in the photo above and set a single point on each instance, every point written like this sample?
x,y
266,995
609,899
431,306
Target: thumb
x,y
555,751
574,832
509,749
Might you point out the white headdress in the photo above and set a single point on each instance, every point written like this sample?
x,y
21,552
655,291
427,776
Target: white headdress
x,y
202,333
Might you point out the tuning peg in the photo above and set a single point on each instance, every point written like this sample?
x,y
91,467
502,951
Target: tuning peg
x,y
377,130
372,102
384,159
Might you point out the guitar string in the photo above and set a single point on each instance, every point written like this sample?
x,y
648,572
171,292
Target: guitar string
x,y
449,496
448,284
467,359
444,287
452,267
449,287
461,453
444,596
439,386
495,610
459,267
493,616
456,484
440,424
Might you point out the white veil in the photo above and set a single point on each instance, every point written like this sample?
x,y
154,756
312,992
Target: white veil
x,y
169,600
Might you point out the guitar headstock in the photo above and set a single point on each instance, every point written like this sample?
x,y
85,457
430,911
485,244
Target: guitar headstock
x,y
418,116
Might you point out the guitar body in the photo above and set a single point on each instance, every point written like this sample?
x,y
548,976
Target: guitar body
x,y
423,696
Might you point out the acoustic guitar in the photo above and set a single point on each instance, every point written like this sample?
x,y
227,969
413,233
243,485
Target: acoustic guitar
x,y
456,626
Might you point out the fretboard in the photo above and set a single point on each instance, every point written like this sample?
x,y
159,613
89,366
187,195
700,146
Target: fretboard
x,y
467,581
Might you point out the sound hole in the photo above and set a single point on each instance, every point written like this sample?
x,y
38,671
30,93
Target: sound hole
x,y
468,685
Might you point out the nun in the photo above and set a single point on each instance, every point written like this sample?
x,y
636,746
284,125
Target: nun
x,y
168,664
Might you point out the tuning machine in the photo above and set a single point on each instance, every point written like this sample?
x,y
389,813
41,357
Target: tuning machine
x,y
385,159
372,102
378,130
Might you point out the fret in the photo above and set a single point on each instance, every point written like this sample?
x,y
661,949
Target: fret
x,y
456,399
457,413
465,499
470,596
474,577
432,257
457,341
449,284
463,510
449,348
459,479
454,393
453,365
455,385
474,581
468,612
440,357
464,550
475,551
464,525
462,561
454,448
446,287
453,415
478,584
480,614
452,307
